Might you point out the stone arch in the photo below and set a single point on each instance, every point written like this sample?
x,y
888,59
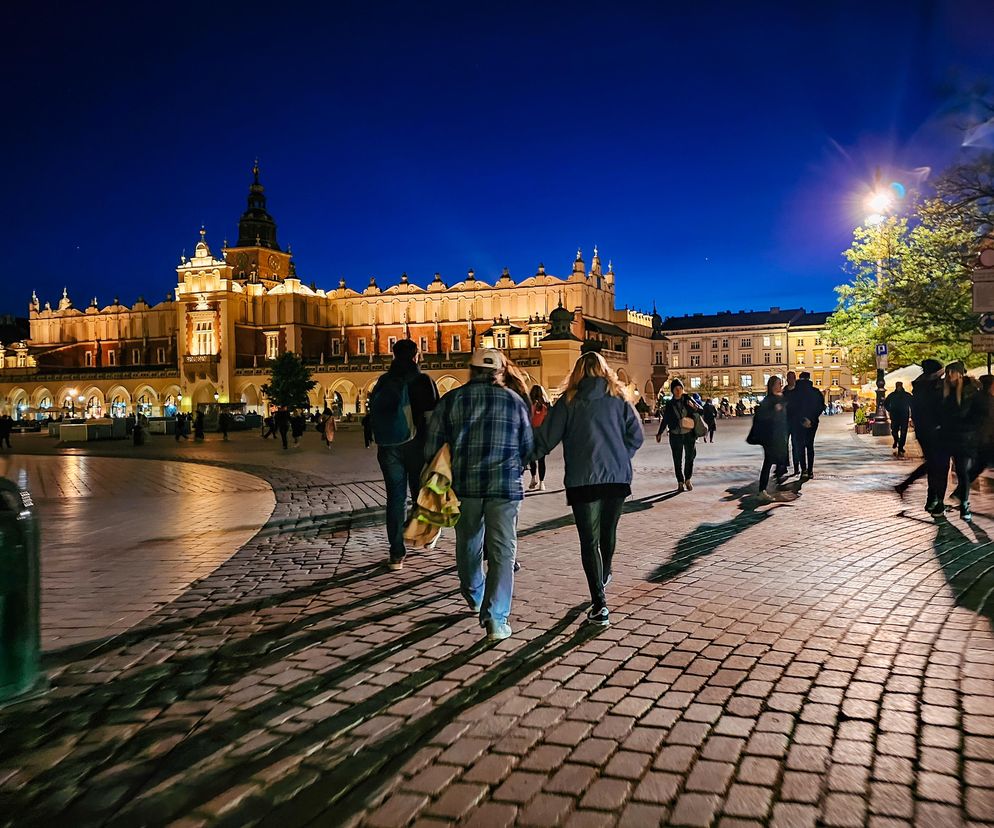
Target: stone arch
x,y
118,401
203,393
39,397
249,395
316,396
343,392
17,401
94,402
623,377
146,401
446,384
649,391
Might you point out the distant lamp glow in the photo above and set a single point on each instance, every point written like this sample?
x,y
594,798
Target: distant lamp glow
x,y
216,396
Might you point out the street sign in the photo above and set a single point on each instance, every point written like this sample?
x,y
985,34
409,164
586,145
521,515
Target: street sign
x,y
983,343
986,323
882,349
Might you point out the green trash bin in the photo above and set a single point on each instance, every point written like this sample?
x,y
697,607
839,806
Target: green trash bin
x,y
20,595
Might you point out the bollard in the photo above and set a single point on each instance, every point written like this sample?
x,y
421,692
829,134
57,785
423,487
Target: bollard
x,y
20,595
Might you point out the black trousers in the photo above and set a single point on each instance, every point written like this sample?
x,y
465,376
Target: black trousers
x,y
597,526
684,448
539,466
937,468
808,462
774,457
899,430
797,438
283,433
964,462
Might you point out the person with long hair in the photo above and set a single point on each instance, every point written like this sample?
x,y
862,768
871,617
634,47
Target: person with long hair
x,y
540,406
600,432
960,415
769,430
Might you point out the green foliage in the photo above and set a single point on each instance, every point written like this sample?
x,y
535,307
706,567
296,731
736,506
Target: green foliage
x,y
289,381
910,288
861,417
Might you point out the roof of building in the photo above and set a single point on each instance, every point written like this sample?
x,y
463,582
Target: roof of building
x,y
14,329
728,319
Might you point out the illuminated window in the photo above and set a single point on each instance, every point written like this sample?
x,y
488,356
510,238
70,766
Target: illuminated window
x,y
778,341
835,380
676,361
747,380
835,359
537,336
725,380
203,338
818,358
766,342
272,344
695,382
800,358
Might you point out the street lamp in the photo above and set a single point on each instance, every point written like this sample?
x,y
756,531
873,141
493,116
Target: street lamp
x,y
879,203
82,410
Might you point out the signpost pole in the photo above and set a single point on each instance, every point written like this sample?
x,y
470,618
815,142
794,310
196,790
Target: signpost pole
x,y
881,427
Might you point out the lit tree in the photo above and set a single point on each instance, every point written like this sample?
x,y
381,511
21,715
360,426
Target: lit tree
x,y
289,381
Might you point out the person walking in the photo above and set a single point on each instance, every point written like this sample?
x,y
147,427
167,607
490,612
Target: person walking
x,y
600,432
710,416
489,433
678,417
398,408
298,424
959,420
268,427
539,411
985,428
224,424
740,409
198,427
6,427
808,403
281,421
769,430
327,427
898,407
926,407
795,431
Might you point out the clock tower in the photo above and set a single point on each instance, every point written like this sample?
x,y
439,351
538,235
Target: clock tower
x,y
257,255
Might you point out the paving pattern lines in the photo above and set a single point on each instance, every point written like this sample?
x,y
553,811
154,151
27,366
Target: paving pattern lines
x,y
817,649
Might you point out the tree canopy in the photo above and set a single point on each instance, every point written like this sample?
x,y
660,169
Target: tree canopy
x,y
289,381
910,284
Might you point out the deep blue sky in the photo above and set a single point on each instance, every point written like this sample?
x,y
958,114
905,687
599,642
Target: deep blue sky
x,y
716,155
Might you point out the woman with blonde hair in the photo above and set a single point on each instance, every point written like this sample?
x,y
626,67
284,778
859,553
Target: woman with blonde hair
x,y
600,432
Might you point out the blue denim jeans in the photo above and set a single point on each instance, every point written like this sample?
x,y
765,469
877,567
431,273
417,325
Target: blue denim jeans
x,y
498,520
401,467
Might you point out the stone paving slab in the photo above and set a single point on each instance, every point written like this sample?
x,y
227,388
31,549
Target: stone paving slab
x,y
824,660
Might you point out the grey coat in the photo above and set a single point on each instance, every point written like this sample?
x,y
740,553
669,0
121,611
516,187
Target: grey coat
x,y
600,435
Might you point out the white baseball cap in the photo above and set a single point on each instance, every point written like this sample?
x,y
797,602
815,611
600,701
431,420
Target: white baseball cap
x,y
487,358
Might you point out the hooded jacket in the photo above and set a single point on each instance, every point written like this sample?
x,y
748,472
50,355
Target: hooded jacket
x,y
926,406
600,434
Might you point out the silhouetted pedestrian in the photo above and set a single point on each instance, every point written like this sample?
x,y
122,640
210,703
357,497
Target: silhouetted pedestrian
x,y
960,417
198,426
769,430
898,406
926,407
281,419
710,416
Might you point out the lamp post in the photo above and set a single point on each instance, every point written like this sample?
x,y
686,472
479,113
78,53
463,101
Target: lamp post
x,y
82,409
878,204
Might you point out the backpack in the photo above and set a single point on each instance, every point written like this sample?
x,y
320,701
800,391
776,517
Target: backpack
x,y
390,413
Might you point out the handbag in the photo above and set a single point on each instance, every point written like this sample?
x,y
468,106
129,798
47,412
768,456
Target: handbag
x,y
700,427
687,423
757,433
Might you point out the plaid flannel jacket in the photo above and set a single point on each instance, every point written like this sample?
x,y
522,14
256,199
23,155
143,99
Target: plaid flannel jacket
x,y
489,431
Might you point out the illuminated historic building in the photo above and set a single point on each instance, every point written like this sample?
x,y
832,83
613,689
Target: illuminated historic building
x,y
211,338
734,354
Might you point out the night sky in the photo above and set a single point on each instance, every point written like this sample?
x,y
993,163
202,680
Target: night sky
x,y
716,155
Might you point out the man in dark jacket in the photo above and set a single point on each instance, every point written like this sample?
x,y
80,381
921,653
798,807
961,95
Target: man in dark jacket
x,y
959,420
806,405
281,421
926,406
795,431
898,405
401,464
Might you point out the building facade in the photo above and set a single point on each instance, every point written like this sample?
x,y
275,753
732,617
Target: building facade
x,y
211,338
734,354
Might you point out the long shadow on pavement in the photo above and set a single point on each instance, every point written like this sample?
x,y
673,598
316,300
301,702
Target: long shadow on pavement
x,y
634,505
968,566
708,537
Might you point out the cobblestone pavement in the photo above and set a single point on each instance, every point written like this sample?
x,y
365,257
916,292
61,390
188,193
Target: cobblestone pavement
x,y
121,538
825,659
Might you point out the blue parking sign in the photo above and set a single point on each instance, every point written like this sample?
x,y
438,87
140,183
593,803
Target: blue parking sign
x,y
882,349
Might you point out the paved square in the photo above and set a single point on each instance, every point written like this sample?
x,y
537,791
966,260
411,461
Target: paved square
x,y
824,660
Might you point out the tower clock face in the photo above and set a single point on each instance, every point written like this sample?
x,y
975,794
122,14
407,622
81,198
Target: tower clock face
x,y
274,264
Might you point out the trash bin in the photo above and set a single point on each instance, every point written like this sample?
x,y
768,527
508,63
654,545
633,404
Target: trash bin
x,y
20,595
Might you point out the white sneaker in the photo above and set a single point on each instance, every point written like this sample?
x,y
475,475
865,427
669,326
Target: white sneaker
x,y
541,486
498,632
534,483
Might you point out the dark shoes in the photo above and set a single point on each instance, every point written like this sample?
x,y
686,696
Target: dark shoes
x,y
937,508
965,513
395,563
599,617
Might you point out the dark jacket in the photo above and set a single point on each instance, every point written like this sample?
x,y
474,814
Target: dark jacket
x,y
710,414
421,391
600,434
282,420
298,424
926,406
803,402
674,411
770,424
898,405
960,418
